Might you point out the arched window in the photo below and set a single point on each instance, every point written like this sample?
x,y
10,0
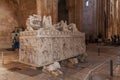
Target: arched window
x,y
87,3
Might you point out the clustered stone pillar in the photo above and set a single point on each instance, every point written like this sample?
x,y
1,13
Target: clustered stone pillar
x,y
107,17
48,7
118,17
114,18
100,12
78,13
75,12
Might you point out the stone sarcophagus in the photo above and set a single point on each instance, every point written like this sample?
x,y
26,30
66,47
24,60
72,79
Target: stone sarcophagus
x,y
49,43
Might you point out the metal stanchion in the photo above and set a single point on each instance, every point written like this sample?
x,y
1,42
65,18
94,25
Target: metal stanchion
x,y
90,78
2,57
99,44
111,68
98,51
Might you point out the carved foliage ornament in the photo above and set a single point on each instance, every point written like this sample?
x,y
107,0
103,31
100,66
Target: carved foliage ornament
x,y
36,22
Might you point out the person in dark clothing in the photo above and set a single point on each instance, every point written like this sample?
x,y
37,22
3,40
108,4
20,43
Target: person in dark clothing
x,y
16,42
99,38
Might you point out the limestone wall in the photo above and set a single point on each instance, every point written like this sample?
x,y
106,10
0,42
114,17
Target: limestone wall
x,y
26,8
8,22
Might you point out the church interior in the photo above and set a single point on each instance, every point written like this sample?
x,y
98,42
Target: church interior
x,y
59,40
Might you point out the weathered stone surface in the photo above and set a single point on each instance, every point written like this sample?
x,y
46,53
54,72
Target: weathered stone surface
x,y
8,22
48,44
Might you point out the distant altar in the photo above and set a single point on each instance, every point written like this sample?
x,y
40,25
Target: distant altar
x,y
43,43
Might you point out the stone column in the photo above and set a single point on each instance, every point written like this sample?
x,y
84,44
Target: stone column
x,y
118,17
48,8
75,12
40,7
97,16
115,18
100,19
99,28
55,11
113,27
71,6
103,18
78,13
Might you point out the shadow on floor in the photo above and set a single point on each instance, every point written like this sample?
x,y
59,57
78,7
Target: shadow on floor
x,y
22,69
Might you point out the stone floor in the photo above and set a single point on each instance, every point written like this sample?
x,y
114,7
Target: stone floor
x,y
13,70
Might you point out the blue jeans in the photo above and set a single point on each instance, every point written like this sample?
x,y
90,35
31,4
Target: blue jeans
x,y
16,45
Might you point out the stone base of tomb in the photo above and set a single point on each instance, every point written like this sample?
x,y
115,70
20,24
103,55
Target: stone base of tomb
x,y
53,69
48,48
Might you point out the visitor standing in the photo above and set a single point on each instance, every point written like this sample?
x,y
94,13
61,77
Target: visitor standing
x,y
16,42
